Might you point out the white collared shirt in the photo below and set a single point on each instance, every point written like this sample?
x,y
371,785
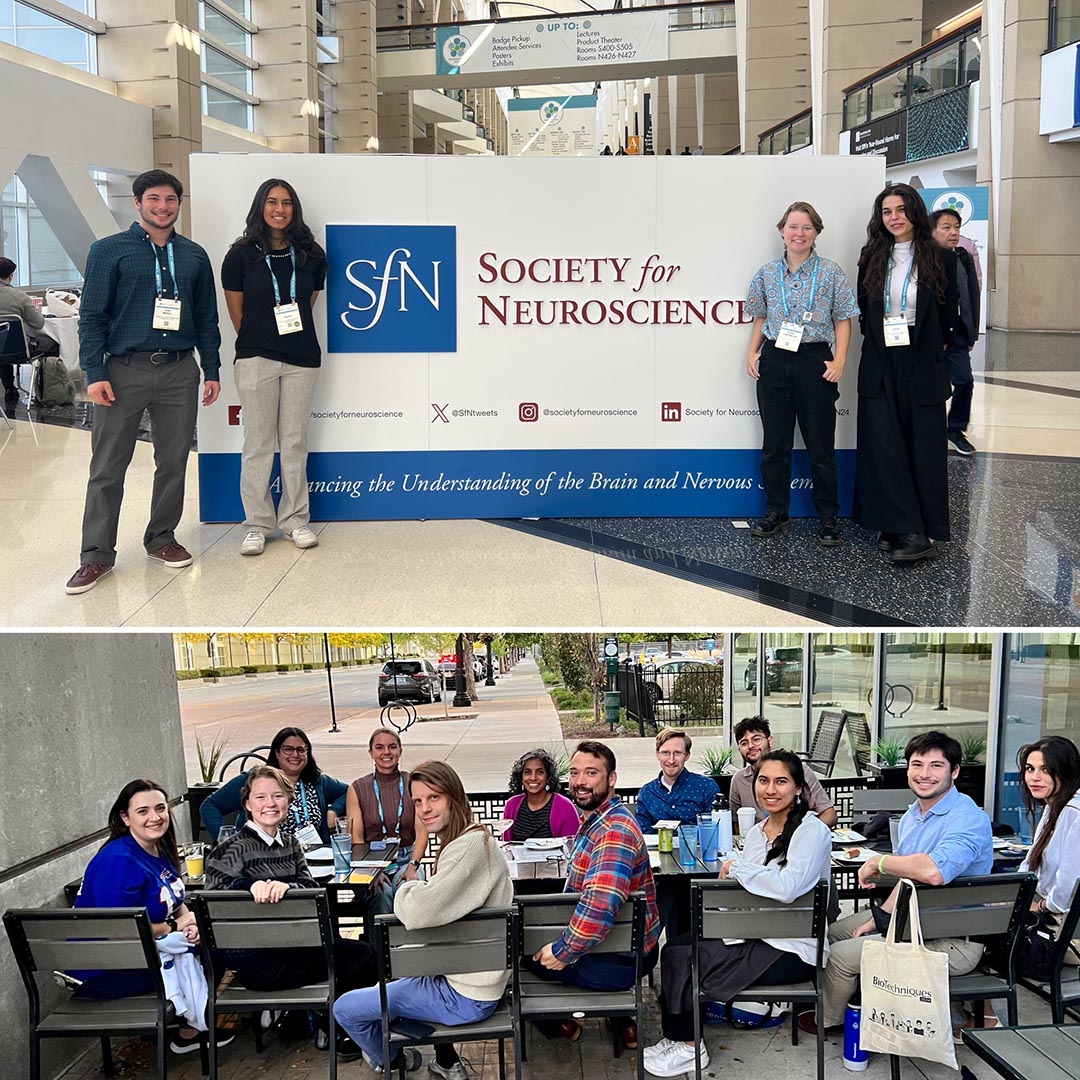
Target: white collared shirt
x,y
1059,869
269,840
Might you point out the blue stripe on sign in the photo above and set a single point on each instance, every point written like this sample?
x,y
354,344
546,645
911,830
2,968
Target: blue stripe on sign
x,y
413,484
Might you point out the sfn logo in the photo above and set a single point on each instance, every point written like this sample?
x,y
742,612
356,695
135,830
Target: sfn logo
x,y
528,412
671,411
393,288
454,49
550,112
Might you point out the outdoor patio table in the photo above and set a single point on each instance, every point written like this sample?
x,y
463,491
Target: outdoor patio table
x,y
1044,1052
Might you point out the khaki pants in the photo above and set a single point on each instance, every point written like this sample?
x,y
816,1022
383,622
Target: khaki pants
x,y
276,399
845,957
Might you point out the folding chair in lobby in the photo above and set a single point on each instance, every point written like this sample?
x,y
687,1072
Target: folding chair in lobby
x,y
481,941
990,905
724,909
542,920
15,350
300,919
88,939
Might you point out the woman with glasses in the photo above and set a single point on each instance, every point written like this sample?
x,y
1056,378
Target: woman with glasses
x,y
676,793
536,810
316,801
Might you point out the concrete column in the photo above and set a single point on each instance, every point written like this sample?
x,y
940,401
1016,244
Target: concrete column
x,y
1036,261
82,714
152,61
777,80
860,36
286,82
357,92
396,131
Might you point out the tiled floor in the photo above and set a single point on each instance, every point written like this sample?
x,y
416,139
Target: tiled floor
x,y
1014,559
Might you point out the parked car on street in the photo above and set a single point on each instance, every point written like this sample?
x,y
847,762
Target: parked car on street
x,y
413,679
783,670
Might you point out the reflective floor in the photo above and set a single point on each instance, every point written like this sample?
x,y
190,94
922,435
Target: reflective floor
x,y
1014,559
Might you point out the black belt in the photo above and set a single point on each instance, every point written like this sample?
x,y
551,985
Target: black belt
x,y
158,356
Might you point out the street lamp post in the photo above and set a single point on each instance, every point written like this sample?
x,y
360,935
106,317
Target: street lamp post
x,y
461,697
334,729
490,680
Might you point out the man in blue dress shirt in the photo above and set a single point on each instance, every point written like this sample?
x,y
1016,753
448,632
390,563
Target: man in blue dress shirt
x,y
944,835
148,303
676,793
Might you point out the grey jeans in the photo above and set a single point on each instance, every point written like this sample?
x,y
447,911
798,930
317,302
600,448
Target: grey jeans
x,y
171,394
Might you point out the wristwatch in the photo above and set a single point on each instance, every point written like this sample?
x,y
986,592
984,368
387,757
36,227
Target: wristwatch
x,y
416,863
170,922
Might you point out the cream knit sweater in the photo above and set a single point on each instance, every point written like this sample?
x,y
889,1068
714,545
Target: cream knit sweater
x,y
472,874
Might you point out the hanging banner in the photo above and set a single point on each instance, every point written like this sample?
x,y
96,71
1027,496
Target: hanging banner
x,y
499,343
563,43
973,206
552,127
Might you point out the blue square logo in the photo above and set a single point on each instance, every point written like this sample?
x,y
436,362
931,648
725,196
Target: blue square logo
x,y
391,288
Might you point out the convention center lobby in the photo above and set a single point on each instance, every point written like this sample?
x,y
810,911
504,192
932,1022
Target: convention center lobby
x,y
648,435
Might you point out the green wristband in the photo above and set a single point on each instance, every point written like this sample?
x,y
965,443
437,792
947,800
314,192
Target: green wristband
x,y
881,864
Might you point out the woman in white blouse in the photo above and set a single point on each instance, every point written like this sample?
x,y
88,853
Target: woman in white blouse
x,y
1051,772
783,857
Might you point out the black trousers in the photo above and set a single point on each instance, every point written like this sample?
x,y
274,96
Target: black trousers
x,y
791,387
286,969
958,361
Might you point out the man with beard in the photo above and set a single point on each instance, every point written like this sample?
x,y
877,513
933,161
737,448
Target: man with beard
x,y
943,835
609,861
753,737
148,303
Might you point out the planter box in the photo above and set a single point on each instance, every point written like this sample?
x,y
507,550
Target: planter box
x,y
972,782
723,782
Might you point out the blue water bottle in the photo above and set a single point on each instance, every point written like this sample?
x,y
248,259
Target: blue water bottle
x,y
855,1058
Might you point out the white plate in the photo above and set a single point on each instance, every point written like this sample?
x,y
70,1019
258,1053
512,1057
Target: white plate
x,y
864,855
547,843
847,836
321,873
320,854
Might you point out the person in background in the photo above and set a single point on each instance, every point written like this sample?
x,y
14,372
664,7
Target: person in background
x,y
908,308
943,836
1050,769
264,859
14,301
802,306
470,873
272,276
148,304
139,866
685,152
783,858
753,738
676,793
379,809
536,809
965,330
317,800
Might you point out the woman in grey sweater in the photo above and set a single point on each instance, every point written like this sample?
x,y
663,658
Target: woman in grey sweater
x,y
470,873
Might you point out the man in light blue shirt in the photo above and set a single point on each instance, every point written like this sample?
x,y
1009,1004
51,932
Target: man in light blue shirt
x,y
944,835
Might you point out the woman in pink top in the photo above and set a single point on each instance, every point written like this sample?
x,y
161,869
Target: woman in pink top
x,y
536,809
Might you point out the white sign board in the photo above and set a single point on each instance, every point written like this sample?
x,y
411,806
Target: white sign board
x,y
513,338
552,127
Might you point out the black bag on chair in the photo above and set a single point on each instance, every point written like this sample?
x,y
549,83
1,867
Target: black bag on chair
x,y
1035,948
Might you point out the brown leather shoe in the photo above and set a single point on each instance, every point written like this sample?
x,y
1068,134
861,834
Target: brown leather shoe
x,y
625,1029
171,555
85,578
570,1029
808,1023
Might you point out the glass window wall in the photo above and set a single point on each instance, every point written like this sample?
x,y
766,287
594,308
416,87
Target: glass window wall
x,y
782,669
936,73
842,677
30,243
744,660
1064,22
27,28
217,102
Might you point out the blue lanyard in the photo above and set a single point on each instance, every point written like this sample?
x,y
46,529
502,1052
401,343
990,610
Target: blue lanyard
x,y
298,808
292,280
903,295
808,310
172,269
400,805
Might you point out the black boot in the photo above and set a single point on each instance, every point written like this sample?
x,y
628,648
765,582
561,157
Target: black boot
x,y
829,536
911,547
888,541
772,523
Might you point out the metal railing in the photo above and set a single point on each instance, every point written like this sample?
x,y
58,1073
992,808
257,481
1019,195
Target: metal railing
x,y
788,135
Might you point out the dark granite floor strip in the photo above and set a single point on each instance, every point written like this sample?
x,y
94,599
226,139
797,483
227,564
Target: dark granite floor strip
x,y
1041,388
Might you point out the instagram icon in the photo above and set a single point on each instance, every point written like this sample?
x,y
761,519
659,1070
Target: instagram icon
x,y
528,412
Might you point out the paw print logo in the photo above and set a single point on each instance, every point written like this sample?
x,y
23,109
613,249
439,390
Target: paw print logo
x,y
454,49
549,111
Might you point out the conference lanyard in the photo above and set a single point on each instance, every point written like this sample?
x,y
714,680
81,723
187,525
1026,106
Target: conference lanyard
x,y
298,809
172,270
274,278
166,311
400,807
286,315
896,326
903,295
808,311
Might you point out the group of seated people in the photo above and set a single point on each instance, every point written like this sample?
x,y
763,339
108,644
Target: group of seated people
x,y
942,836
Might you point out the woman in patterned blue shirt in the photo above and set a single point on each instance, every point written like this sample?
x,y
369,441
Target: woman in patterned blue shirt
x,y
802,307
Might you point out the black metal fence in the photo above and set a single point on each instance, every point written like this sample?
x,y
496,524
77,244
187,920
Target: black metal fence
x,y
671,694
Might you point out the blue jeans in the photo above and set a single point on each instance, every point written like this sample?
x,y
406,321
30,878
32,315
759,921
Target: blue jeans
x,y
430,999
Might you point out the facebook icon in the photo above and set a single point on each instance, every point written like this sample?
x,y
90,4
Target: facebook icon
x,y
391,288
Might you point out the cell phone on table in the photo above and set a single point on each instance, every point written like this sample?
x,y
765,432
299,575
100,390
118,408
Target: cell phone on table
x,y
412,1029
66,981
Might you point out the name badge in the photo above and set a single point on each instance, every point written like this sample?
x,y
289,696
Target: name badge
x,y
790,336
896,331
377,845
307,836
166,314
288,318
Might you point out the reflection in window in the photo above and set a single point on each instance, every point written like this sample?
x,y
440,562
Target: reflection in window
x,y
781,673
843,678
225,107
27,28
743,675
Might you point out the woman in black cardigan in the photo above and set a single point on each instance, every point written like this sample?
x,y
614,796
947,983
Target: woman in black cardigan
x,y
906,292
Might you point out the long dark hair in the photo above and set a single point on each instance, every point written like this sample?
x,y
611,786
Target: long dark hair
x,y
545,759
256,235
1062,762
874,259
117,828
311,772
799,809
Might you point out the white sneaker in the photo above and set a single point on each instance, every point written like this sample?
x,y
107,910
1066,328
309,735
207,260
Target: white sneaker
x,y
304,537
454,1072
253,543
413,1060
670,1058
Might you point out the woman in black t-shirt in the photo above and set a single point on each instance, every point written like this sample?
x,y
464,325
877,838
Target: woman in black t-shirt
x,y
272,276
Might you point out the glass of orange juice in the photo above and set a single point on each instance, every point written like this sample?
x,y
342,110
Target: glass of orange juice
x,y
195,861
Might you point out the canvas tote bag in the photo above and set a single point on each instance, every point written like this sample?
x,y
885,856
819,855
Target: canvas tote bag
x,y
905,995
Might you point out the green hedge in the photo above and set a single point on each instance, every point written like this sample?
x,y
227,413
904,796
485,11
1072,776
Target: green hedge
x,y
566,698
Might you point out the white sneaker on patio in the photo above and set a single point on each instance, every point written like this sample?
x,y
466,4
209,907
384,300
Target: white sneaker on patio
x,y
453,1072
413,1060
253,543
304,537
670,1058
